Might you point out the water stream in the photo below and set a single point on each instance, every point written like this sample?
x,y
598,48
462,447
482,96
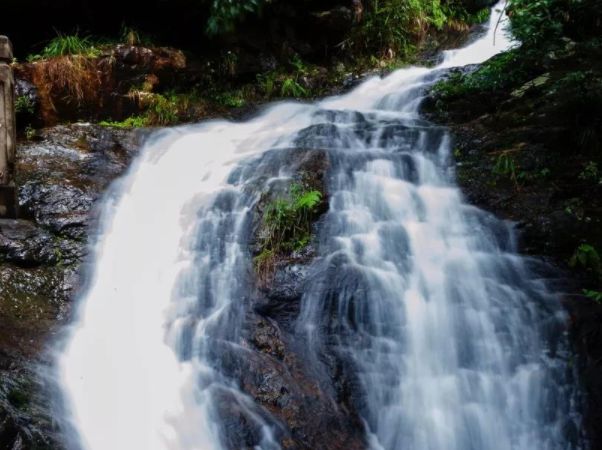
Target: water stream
x,y
455,343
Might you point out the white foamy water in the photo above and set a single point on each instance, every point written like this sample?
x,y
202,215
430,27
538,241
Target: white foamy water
x,y
447,332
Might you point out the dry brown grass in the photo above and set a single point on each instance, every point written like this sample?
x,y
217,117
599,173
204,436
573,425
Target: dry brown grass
x,y
71,80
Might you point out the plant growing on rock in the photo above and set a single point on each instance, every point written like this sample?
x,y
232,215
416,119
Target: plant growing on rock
x,y
286,226
68,45
594,295
23,104
506,166
292,88
587,257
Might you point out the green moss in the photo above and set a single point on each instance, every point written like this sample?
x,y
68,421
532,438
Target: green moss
x,y
18,398
130,122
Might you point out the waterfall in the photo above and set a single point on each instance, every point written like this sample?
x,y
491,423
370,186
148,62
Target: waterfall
x,y
454,341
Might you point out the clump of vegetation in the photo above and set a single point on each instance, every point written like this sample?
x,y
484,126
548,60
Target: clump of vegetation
x,y
500,72
591,172
24,104
289,83
130,122
534,21
68,45
286,225
594,295
231,99
132,36
587,257
541,25
506,165
73,76
225,14
394,27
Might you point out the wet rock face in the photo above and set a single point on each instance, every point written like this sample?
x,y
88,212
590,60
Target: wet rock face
x,y
306,402
61,175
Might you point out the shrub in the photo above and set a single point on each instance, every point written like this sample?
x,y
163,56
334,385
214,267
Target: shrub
x,y
534,21
393,27
498,73
587,257
541,23
225,14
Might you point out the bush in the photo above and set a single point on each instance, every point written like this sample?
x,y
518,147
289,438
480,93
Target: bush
x,y
496,74
394,26
534,22
225,14
587,257
541,23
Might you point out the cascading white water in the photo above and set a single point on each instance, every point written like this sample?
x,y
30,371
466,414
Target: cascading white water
x,y
125,387
447,331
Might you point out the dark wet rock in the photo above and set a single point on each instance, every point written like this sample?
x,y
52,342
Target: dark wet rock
x,y
281,297
276,376
20,430
586,317
62,209
25,244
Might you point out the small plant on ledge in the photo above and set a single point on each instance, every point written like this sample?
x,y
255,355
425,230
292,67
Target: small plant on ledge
x,y
286,226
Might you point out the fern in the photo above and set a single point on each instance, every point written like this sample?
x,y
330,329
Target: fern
x,y
594,295
291,88
308,200
287,226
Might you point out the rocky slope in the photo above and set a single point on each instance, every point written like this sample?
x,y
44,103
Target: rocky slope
x,y
529,150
